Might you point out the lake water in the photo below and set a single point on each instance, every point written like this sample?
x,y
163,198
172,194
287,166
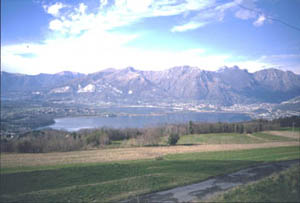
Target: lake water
x,y
140,121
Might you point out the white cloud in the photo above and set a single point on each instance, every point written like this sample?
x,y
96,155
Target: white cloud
x,y
248,10
201,19
260,20
55,25
54,9
188,26
226,6
215,12
138,5
84,42
245,14
103,3
125,12
250,65
87,53
99,50
282,56
82,8
284,62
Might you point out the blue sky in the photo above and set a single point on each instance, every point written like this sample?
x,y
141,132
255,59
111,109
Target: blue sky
x,y
40,36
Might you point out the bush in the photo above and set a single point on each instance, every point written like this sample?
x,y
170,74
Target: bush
x,y
173,138
159,158
25,146
97,138
104,139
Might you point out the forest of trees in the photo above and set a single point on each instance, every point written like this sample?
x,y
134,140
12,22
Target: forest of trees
x,y
53,140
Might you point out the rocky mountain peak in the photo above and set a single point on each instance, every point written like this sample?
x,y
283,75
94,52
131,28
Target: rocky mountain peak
x,y
69,73
129,69
227,86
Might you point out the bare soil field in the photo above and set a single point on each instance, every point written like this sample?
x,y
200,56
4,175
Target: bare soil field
x,y
257,138
137,153
289,134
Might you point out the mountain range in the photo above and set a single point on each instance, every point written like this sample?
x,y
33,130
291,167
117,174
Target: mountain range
x,y
227,86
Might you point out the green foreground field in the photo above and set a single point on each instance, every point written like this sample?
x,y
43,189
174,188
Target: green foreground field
x,y
232,138
281,187
118,180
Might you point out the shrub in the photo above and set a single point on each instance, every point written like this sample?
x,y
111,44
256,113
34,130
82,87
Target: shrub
x,y
159,158
97,138
172,139
104,139
150,137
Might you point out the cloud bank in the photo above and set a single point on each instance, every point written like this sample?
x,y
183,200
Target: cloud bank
x,y
85,41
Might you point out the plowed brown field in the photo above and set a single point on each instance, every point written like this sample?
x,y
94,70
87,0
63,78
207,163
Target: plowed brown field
x,y
137,153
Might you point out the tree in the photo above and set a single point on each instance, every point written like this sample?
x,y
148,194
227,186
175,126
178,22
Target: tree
x,y
172,139
104,139
242,128
191,127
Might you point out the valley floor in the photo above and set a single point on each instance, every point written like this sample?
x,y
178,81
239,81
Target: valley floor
x,y
103,175
186,144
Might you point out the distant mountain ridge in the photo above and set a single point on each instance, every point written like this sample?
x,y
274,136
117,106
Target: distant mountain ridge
x,y
227,86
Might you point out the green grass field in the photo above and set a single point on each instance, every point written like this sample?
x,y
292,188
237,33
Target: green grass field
x,y
273,138
281,187
118,180
229,138
290,129
217,138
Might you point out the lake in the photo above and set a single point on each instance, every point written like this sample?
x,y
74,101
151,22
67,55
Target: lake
x,y
140,121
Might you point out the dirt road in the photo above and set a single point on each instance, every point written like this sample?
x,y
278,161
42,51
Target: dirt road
x,y
216,185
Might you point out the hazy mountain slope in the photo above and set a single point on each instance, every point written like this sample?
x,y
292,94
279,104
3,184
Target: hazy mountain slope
x,y
226,86
21,82
114,85
178,82
278,85
290,105
277,80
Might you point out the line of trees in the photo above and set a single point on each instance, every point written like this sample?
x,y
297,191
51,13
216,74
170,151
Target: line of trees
x,y
54,140
242,127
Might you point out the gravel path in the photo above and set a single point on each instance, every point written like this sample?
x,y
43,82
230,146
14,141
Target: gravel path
x,y
216,185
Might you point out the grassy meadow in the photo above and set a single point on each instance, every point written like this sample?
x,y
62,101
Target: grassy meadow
x,y
232,138
111,181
